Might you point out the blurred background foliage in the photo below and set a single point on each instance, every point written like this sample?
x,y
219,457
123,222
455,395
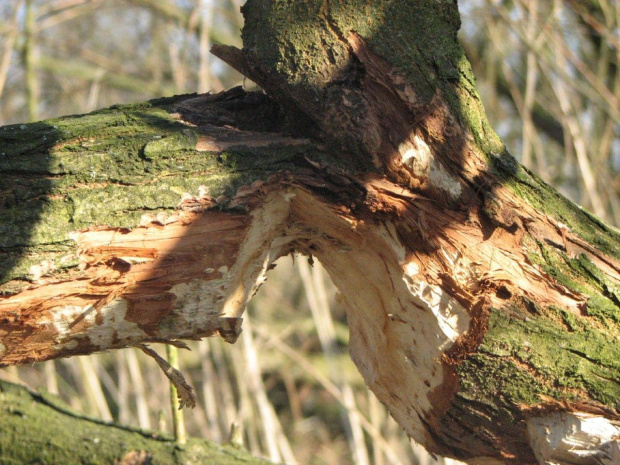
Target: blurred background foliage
x,y
548,74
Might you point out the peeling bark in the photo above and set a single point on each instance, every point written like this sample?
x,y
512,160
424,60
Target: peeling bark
x,y
482,305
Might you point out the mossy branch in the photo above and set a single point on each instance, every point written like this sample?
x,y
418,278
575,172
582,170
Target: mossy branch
x,y
33,429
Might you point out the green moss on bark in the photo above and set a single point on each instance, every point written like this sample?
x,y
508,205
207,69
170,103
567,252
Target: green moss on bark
x,y
545,199
522,359
303,45
109,168
33,430
582,275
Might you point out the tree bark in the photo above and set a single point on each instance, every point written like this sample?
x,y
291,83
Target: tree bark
x,y
482,305
45,420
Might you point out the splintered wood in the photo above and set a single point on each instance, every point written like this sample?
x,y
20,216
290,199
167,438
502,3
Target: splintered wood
x,y
132,287
482,305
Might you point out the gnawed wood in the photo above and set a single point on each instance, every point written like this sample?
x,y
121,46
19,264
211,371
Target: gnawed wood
x,y
575,438
128,290
458,228
183,276
184,268
478,298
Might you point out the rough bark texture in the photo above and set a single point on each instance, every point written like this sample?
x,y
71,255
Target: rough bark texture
x,y
45,420
110,221
483,306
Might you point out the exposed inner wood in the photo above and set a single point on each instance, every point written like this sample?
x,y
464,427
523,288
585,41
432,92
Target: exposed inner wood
x,y
130,289
413,220
418,274
577,438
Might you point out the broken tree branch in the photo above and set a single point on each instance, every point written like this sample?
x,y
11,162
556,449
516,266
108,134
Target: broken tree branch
x,y
481,303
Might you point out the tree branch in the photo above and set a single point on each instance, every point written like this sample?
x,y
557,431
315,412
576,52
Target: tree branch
x,y
480,301
45,420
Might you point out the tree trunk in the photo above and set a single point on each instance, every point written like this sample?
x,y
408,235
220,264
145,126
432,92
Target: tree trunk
x,y
45,421
483,306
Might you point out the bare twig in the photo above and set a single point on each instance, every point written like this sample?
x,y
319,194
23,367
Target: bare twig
x,y
184,390
176,397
